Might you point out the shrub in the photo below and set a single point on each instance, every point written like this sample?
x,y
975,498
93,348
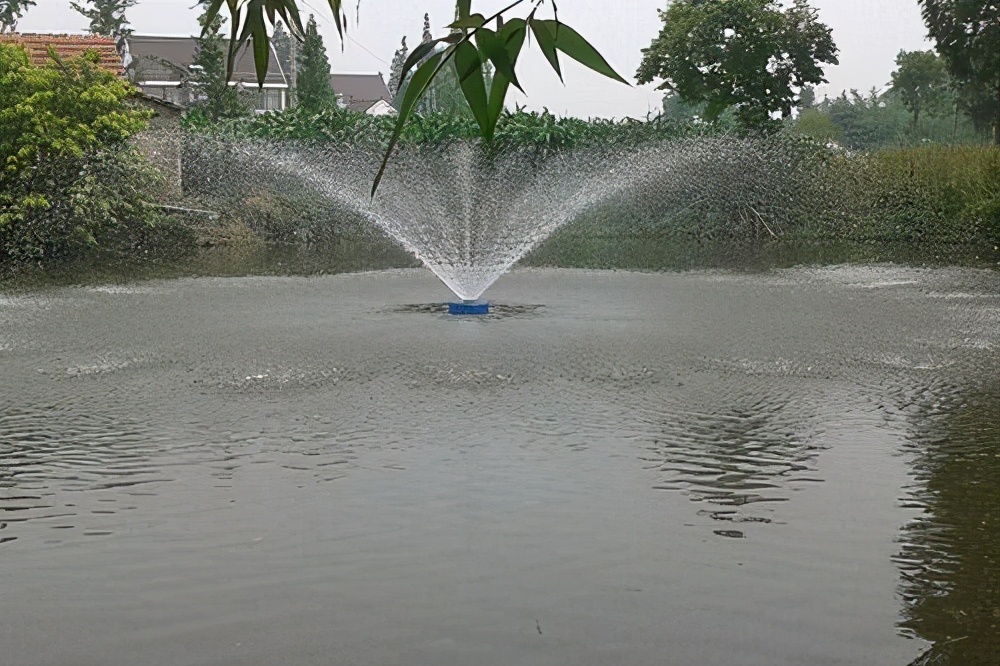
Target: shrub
x,y
67,174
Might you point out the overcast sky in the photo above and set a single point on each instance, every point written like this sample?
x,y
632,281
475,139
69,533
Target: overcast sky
x,y
869,33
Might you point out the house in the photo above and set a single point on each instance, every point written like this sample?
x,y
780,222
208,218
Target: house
x,y
363,92
66,46
161,66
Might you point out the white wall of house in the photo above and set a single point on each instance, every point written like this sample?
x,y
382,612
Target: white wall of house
x,y
381,108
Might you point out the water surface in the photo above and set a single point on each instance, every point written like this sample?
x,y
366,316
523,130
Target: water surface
x,y
790,467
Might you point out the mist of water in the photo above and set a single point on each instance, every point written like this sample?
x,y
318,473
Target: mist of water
x,y
469,214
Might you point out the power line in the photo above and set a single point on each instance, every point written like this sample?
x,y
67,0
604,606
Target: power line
x,y
356,42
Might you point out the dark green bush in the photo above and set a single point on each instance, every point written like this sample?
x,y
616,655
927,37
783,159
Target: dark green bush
x,y
533,131
68,175
70,205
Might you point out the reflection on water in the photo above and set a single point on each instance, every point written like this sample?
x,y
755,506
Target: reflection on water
x,y
950,554
76,471
748,449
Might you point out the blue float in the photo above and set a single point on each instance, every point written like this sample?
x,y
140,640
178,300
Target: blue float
x,y
469,308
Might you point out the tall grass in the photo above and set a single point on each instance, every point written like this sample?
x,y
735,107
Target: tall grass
x,y
945,195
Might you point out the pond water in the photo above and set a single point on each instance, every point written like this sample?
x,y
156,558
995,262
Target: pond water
x,y
788,467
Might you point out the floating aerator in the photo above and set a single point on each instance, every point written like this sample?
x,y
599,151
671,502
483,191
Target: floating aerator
x,y
469,308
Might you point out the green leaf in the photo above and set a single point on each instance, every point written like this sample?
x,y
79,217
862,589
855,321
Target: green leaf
x,y
234,45
414,91
464,8
512,36
469,22
211,12
289,13
714,109
494,50
422,51
547,43
570,42
256,28
470,78
292,18
335,9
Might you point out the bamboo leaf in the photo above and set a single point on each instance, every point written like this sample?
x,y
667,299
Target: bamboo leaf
x,y
512,36
470,77
255,28
234,44
418,84
494,50
211,12
290,13
422,51
469,22
547,43
335,9
572,43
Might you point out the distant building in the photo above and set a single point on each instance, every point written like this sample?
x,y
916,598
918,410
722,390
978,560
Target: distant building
x,y
363,92
66,46
160,65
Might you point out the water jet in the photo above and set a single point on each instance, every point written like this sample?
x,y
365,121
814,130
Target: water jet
x,y
470,212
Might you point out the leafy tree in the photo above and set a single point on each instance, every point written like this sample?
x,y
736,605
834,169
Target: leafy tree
x,y
107,17
396,68
817,124
63,154
921,82
313,90
866,121
676,110
967,35
749,55
10,12
979,105
807,97
215,97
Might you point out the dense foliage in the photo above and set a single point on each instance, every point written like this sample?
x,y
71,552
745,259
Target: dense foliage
x,y
879,120
752,56
312,83
68,173
934,196
539,132
107,17
921,82
967,35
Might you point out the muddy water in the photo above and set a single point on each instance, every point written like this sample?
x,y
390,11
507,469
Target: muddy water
x,y
793,467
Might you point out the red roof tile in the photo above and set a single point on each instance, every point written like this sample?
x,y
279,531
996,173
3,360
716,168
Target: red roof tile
x,y
67,46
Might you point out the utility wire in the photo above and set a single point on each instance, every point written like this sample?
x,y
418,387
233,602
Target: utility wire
x,y
356,42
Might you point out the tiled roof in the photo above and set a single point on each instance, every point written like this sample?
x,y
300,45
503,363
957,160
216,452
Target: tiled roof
x,y
66,46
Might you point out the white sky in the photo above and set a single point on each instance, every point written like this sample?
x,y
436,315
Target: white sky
x,y
869,33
